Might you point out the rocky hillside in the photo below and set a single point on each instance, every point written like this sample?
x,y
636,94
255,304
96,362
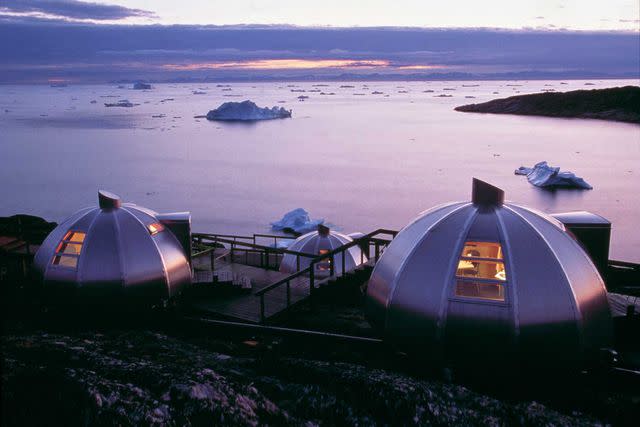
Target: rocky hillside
x,y
618,104
151,378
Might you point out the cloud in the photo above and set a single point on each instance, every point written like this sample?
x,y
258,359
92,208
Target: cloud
x,y
539,17
630,21
35,50
72,10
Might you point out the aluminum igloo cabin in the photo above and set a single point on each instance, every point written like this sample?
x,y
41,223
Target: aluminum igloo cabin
x,y
320,242
489,278
116,252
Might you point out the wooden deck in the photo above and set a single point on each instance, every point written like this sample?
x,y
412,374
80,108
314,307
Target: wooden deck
x,y
246,306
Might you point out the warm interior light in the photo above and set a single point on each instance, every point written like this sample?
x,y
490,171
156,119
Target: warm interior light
x,y
326,263
484,261
155,228
69,249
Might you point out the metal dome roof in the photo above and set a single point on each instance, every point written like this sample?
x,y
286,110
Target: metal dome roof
x,y
314,242
114,250
488,276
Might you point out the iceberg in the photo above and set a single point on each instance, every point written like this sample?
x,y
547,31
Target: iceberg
x,y
297,221
122,103
141,86
545,176
246,111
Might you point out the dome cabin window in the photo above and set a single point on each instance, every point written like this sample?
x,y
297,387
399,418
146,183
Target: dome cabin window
x,y
481,273
155,228
68,250
325,265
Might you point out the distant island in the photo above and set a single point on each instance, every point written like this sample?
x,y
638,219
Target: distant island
x,y
620,104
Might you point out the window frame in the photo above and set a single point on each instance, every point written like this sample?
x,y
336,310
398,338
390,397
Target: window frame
x,y
494,281
60,254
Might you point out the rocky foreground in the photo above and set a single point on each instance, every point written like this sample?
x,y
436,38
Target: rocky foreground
x,y
143,377
618,104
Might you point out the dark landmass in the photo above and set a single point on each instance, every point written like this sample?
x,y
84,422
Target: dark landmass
x,y
620,104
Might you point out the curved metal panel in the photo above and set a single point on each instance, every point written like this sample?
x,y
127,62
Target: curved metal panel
x,y
547,317
587,286
388,267
143,268
415,303
99,266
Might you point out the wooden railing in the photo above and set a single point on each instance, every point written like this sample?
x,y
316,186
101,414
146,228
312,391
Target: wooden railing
x,y
237,244
368,240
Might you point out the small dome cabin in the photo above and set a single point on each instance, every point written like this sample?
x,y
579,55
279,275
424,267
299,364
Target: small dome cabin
x,y
468,281
320,242
116,251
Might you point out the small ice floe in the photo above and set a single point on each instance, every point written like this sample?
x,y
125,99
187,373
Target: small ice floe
x,y
141,86
93,101
403,91
545,176
302,97
327,93
443,95
122,103
246,111
198,92
427,91
347,87
377,92
297,221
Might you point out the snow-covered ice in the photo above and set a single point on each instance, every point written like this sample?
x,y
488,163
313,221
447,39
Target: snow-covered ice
x,y
543,175
297,221
247,111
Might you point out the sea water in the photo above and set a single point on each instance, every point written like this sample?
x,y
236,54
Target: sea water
x,y
357,159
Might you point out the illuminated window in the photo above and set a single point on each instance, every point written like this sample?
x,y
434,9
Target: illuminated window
x,y
325,265
481,273
69,249
155,228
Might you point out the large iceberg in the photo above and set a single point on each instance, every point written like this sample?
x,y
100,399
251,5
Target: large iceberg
x,y
297,221
545,176
246,111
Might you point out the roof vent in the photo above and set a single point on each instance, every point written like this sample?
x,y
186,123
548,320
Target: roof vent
x,y
323,230
486,194
108,200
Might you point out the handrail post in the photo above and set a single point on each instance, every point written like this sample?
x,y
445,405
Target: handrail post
x,y
297,262
261,308
311,278
288,294
233,245
332,268
213,261
377,250
343,262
